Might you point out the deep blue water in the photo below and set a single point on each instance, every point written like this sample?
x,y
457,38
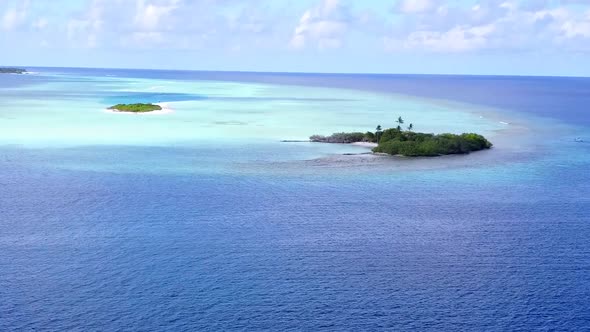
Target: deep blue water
x,y
471,249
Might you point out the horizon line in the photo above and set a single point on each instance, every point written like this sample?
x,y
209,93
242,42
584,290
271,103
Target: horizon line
x,y
300,72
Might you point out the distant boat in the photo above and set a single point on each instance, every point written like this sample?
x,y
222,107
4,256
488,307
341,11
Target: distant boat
x,y
579,139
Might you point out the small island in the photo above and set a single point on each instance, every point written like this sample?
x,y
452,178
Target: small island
x,y
12,71
399,142
135,108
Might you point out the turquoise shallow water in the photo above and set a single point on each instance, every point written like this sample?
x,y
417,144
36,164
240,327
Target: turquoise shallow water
x,y
203,219
69,112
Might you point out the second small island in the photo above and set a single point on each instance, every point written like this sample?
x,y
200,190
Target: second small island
x,y
135,108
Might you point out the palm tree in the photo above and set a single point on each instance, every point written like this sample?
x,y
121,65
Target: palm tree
x,y
399,122
410,127
378,133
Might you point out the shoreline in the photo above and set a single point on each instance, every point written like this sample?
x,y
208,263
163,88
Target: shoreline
x,y
367,145
166,109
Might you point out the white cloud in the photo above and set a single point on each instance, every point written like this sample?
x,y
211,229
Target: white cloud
x,y
177,24
577,28
85,31
152,16
413,25
458,39
487,25
14,17
324,26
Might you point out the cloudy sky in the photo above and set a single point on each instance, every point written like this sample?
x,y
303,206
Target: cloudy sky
x,y
523,37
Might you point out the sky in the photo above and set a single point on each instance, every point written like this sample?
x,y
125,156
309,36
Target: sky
x,y
480,37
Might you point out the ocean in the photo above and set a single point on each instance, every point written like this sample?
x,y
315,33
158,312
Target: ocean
x,y
202,219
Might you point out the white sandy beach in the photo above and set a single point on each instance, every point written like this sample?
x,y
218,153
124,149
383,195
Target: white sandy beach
x,y
365,144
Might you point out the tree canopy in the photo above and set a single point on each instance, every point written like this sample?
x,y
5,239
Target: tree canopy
x,y
136,108
396,141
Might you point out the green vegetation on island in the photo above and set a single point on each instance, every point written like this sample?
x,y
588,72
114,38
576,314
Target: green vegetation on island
x,y
343,138
397,141
12,71
135,108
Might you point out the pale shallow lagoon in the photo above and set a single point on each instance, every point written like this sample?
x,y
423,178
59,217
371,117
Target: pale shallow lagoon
x,y
67,112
